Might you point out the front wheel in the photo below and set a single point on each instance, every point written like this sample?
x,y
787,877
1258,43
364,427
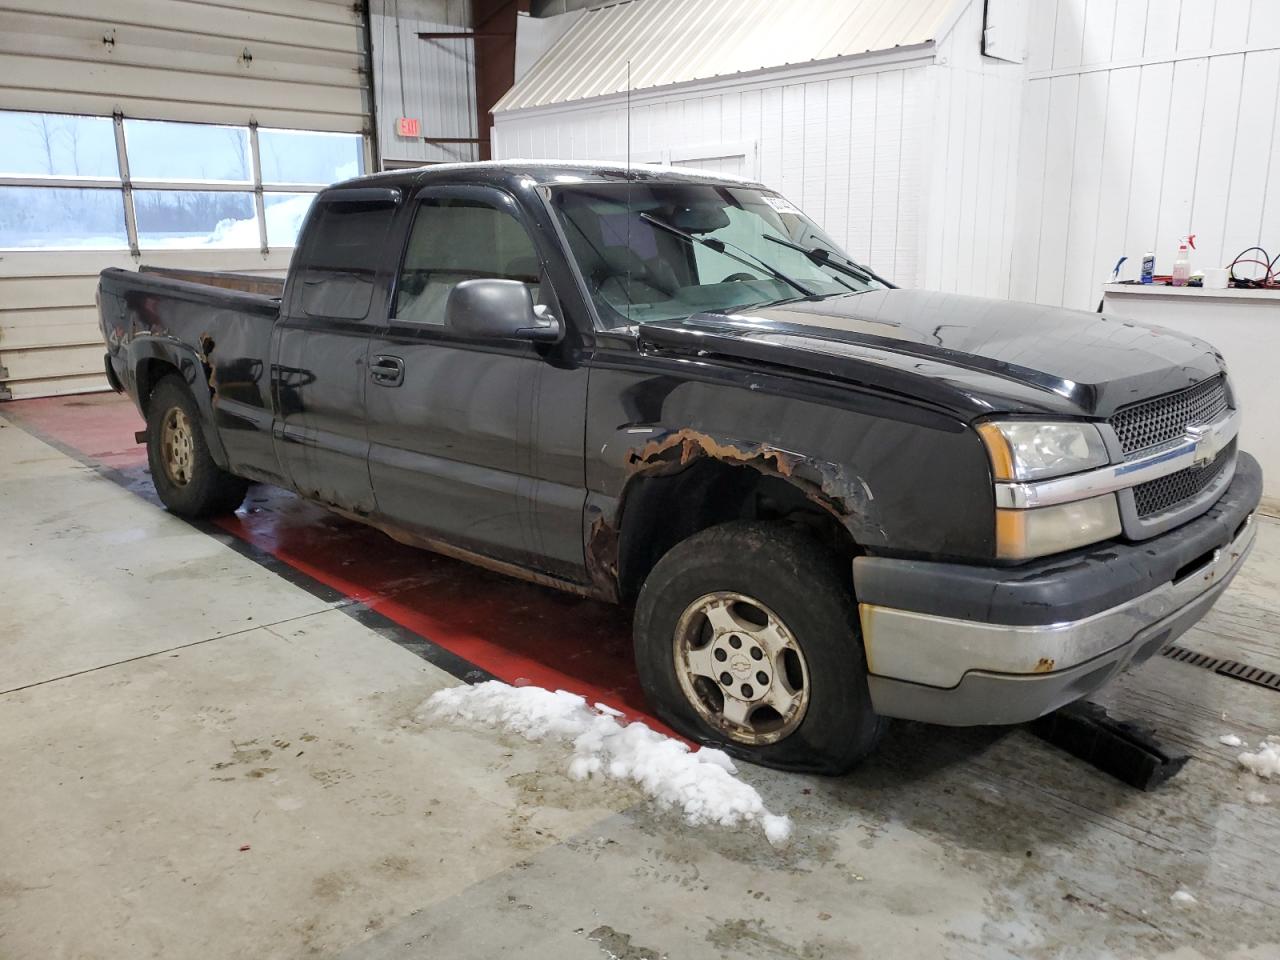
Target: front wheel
x,y
185,475
746,638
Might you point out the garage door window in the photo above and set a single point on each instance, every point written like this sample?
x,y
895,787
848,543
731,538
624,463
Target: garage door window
x,y
54,145
77,182
63,217
159,150
59,182
284,215
187,218
298,156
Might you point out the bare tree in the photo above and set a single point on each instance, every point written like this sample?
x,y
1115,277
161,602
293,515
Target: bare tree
x,y
240,161
40,124
72,130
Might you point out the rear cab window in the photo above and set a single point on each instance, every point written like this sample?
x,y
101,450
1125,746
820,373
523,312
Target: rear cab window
x,y
344,245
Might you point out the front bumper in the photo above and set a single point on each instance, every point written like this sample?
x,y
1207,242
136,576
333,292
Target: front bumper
x,y
961,645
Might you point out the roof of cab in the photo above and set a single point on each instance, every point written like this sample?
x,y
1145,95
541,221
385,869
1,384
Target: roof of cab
x,y
540,172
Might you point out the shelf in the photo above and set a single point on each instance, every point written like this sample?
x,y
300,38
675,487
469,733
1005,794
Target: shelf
x,y
1155,290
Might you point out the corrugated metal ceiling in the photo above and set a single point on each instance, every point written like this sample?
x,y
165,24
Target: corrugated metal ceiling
x,y
673,41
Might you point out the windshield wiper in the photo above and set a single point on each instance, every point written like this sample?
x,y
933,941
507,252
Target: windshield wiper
x,y
829,258
720,246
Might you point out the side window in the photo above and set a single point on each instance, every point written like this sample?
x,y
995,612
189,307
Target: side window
x,y
456,239
340,255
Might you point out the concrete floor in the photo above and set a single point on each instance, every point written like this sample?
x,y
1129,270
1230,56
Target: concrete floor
x,y
170,693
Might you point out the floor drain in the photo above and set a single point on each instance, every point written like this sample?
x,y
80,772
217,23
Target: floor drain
x,y
1227,668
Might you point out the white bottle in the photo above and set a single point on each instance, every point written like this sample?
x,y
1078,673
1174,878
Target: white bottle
x,y
1182,265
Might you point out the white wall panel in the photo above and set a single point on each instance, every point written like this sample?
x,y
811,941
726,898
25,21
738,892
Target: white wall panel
x,y
971,149
430,80
1157,119
1131,124
849,147
1029,190
1086,183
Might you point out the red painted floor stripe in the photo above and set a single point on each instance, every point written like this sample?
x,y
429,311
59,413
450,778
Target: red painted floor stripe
x,y
519,632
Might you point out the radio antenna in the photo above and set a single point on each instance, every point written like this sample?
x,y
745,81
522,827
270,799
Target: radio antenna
x,y
630,180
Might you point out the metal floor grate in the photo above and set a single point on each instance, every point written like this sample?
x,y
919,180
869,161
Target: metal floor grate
x,y
1228,668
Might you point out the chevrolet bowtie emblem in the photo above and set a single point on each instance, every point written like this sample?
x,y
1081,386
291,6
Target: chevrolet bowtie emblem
x,y
1202,436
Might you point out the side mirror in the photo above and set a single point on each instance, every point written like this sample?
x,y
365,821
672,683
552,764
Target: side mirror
x,y
494,309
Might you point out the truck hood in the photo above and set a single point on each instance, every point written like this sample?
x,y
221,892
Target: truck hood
x,y
971,354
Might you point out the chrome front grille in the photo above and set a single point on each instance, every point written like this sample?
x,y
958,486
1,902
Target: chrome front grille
x,y
1151,423
1168,492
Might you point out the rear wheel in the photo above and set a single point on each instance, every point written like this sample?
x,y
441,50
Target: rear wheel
x,y
746,637
186,477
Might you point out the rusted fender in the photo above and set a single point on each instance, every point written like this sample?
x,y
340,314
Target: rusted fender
x,y
826,484
829,486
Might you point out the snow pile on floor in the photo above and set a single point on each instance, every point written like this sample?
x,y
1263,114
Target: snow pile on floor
x,y
701,783
1266,762
1183,896
1231,740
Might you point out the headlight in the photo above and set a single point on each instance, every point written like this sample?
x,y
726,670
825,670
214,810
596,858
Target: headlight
x,y
1031,450
1022,534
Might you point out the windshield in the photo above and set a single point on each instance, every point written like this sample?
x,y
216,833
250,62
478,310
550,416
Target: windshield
x,y
626,239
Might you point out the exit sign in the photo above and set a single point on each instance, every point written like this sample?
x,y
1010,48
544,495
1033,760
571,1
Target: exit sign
x,y
407,126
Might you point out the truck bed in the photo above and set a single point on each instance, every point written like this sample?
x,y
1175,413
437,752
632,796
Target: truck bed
x,y
245,282
215,327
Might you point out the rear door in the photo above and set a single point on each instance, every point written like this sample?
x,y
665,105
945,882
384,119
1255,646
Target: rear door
x,y
477,443
335,300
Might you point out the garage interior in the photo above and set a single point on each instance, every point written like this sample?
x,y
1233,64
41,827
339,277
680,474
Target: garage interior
x,y
213,730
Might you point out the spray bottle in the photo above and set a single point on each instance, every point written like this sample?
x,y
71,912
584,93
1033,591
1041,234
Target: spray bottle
x,y
1182,265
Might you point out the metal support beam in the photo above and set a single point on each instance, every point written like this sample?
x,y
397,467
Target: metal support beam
x,y
259,206
122,163
461,35
373,145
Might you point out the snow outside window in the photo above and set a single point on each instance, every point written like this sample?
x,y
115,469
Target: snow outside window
x,y
79,182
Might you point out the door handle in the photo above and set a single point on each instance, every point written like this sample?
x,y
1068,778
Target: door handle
x,y
387,371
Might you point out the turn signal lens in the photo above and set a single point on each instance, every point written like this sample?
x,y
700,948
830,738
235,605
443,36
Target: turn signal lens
x,y
1023,534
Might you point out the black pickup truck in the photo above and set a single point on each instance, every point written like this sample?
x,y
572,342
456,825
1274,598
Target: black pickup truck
x,y
830,501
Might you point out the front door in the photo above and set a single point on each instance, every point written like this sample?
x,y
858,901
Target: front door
x,y
336,299
477,443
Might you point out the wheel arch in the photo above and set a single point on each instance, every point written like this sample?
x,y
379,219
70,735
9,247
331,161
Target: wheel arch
x,y
151,359
687,481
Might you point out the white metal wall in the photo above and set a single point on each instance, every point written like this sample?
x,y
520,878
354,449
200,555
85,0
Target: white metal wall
x,y
283,63
846,144
967,235
909,159
431,80
1142,121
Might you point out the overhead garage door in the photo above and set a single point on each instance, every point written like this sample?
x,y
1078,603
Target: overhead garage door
x,y
168,132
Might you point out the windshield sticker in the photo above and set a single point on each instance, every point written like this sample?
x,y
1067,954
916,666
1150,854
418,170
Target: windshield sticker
x,y
781,204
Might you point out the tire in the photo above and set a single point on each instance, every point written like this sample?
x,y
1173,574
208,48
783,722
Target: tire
x,y
186,477
770,586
